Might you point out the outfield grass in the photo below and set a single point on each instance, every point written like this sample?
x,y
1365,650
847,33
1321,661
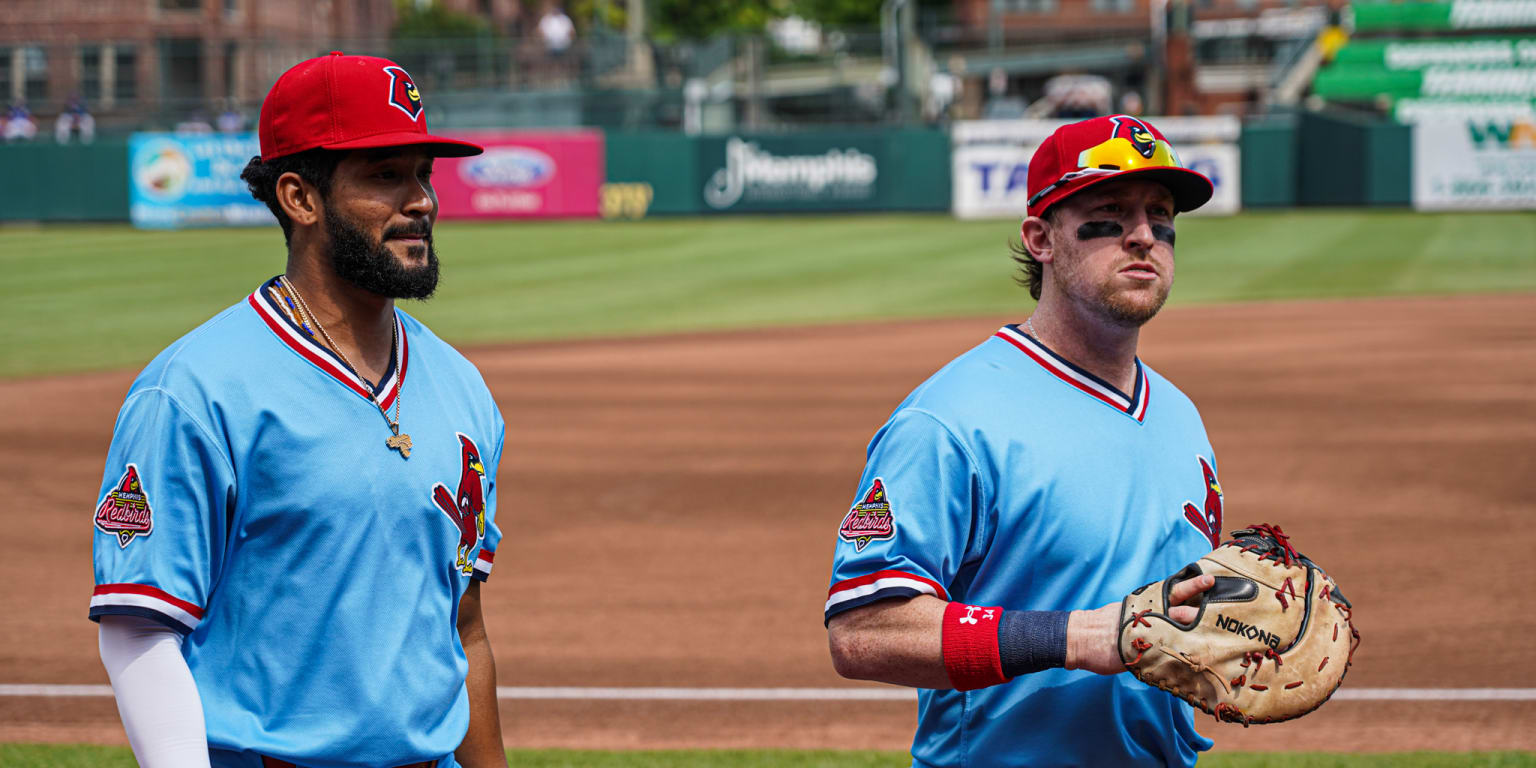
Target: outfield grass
x,y
92,297
51,756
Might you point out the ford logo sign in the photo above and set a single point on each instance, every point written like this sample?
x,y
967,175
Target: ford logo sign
x,y
508,167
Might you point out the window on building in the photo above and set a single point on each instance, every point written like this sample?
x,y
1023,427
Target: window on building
x,y
90,73
231,7
1113,6
181,72
5,75
125,82
180,5
231,69
34,67
1029,6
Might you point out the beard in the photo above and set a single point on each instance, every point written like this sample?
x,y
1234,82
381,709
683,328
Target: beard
x,y
370,265
1125,308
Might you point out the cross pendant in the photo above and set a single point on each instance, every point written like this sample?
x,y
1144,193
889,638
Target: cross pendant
x,y
401,443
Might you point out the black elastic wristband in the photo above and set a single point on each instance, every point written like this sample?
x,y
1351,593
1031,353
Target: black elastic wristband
x,y
1030,641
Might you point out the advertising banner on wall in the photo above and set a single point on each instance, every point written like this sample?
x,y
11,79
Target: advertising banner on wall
x,y
824,171
991,161
191,180
1474,163
523,175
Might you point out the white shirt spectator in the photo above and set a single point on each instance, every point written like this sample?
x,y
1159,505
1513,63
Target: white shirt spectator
x,y
557,30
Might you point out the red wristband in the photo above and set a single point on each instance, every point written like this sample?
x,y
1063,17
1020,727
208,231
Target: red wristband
x,y
971,654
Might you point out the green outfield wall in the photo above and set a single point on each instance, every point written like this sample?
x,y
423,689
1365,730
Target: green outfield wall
x,y
805,171
1310,159
1349,160
69,182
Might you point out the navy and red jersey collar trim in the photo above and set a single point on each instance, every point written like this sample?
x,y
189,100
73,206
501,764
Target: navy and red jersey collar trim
x,y
307,347
1133,405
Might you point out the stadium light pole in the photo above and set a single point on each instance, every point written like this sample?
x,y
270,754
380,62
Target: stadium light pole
x,y
1158,56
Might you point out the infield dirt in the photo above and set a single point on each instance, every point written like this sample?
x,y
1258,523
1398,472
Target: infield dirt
x,y
670,506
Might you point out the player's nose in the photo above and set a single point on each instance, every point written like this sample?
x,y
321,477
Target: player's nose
x,y
1138,233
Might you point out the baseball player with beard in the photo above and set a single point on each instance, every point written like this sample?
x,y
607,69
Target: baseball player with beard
x,y
299,499
1018,495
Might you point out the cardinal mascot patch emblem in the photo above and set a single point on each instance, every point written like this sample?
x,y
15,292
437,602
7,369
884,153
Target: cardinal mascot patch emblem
x,y
871,519
124,512
466,508
1207,518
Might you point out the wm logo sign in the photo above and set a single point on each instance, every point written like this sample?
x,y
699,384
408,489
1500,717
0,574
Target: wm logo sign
x,y
1519,134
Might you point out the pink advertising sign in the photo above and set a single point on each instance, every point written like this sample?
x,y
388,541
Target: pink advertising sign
x,y
523,175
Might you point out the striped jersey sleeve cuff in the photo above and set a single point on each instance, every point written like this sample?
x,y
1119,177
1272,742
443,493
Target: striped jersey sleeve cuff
x,y
863,590
146,601
483,565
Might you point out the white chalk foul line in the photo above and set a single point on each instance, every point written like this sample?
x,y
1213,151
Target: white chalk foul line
x,y
815,694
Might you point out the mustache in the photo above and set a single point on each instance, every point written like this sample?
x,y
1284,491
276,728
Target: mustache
x,y
423,230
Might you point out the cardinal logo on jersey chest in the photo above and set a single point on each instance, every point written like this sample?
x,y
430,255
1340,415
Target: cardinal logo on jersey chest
x,y
124,512
466,507
1207,518
871,518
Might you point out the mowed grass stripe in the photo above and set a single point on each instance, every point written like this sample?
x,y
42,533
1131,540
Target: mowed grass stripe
x,y
107,296
68,756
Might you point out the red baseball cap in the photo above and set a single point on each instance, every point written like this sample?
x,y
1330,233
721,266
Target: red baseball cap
x,y
1083,154
348,102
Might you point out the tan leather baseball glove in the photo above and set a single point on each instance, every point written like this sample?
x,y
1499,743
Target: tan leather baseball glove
x,y
1272,640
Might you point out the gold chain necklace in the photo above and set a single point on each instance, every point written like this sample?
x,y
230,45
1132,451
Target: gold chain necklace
x,y
396,441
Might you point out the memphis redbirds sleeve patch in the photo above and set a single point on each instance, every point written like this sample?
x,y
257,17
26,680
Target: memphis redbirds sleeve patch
x,y
870,519
125,512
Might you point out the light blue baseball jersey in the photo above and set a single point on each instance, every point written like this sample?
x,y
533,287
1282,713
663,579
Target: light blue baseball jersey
x,y
250,503
1012,478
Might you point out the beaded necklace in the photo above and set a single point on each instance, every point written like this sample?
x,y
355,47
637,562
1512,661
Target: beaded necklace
x,y
306,319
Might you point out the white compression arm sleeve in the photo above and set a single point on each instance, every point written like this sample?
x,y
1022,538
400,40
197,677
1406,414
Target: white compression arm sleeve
x,y
156,697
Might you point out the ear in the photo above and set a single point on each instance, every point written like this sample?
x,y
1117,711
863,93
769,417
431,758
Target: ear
x,y
299,199
1035,234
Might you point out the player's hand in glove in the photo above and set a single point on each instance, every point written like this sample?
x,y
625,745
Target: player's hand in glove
x,y
1268,637
1093,637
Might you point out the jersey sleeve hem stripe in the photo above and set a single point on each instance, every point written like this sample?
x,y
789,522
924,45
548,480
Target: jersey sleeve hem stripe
x,y
483,565
873,597
145,590
147,613
110,598
876,583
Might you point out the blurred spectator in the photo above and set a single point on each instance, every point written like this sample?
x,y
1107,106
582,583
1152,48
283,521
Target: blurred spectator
x,y
18,123
1130,104
1001,106
197,123
75,119
943,89
556,29
997,83
1076,97
231,120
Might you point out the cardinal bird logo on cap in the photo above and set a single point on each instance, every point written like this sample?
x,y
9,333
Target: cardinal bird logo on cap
x,y
1136,132
402,92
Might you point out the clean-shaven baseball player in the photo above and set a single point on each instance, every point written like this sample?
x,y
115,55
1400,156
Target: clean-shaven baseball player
x,y
299,500
1015,497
